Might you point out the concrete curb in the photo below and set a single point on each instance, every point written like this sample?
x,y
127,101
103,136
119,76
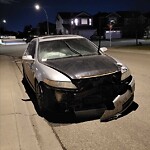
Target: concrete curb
x,y
20,126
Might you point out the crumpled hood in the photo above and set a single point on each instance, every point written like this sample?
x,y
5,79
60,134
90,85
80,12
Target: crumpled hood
x,y
84,66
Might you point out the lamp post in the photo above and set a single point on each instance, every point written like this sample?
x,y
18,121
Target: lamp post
x,y
110,25
37,7
4,22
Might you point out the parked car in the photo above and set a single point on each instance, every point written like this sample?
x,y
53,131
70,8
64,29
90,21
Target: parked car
x,y
70,73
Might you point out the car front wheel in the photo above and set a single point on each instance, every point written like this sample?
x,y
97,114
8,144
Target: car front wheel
x,y
41,102
45,99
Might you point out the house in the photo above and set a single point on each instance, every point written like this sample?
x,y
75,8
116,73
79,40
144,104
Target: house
x,y
133,23
80,23
126,24
147,25
107,25
114,29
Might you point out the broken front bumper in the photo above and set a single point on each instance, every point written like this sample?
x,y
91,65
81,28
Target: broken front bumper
x,y
121,103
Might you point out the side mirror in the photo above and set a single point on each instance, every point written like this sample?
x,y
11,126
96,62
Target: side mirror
x,y
103,49
27,57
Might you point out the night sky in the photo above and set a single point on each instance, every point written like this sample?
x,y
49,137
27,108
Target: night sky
x,y
19,13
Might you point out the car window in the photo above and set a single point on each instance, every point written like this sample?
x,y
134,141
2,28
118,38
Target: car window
x,y
82,46
31,48
65,48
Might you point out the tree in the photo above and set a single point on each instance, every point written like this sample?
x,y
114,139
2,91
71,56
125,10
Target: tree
x,y
27,30
42,28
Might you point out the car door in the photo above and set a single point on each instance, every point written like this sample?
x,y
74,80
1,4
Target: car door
x,y
28,64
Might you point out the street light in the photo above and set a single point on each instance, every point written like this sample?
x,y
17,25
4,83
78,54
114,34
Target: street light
x,y
37,7
4,21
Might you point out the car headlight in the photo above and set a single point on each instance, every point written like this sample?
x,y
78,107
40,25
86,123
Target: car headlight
x,y
60,84
125,72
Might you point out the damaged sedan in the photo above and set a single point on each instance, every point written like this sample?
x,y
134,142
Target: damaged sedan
x,y
70,73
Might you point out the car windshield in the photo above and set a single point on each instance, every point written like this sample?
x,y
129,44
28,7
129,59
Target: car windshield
x,y
66,48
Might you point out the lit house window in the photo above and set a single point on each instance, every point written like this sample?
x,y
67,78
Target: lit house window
x,y
84,21
71,21
90,21
76,21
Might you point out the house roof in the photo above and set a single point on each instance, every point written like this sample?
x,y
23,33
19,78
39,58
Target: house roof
x,y
69,15
113,14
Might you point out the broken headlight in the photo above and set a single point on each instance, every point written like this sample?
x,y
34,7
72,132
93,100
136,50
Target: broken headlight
x,y
60,84
125,72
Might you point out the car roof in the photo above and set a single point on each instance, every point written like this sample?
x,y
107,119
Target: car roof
x,y
57,37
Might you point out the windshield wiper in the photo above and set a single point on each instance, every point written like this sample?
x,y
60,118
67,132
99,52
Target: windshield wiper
x,y
72,49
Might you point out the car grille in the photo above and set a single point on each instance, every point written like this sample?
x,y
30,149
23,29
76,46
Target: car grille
x,y
106,80
96,91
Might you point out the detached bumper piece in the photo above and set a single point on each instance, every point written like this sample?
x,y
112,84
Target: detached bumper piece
x,y
121,102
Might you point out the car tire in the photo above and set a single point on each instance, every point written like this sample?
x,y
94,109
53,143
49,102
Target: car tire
x,y
44,99
39,98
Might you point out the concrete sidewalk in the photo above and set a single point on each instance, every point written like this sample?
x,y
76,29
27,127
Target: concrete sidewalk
x,y
20,126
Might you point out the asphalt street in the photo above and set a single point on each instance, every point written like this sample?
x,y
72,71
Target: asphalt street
x,y
22,128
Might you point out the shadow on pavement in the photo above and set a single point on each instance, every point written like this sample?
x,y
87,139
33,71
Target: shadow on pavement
x,y
70,117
